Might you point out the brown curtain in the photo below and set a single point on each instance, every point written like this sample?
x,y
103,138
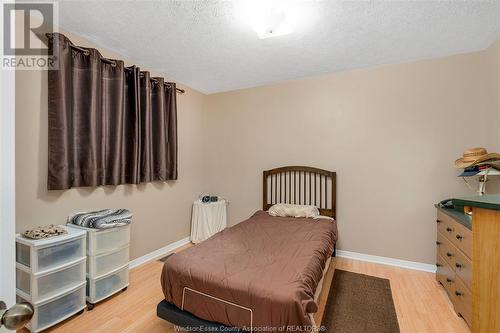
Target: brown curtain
x,y
108,125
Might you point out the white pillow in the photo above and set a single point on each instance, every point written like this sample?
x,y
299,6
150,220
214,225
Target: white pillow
x,y
324,217
288,210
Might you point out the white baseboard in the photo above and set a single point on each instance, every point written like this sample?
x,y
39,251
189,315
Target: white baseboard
x,y
157,254
387,261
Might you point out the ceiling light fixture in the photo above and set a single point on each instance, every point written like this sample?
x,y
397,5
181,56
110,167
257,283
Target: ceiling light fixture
x,y
271,21
268,18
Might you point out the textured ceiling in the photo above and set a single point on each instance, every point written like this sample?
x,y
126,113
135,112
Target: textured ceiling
x,y
208,46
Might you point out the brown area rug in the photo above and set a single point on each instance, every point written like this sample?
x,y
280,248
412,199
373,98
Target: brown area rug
x,y
359,303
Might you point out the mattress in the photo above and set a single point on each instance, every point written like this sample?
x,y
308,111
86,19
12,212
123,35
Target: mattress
x,y
261,274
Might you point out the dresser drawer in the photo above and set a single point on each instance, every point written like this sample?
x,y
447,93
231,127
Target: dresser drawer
x,y
445,275
446,250
462,238
462,301
463,268
458,234
445,224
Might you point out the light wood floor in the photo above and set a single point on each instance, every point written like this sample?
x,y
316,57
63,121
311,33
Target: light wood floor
x,y
421,304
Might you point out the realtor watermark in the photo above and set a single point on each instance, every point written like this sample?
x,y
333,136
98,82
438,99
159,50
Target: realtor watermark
x,y
222,328
27,27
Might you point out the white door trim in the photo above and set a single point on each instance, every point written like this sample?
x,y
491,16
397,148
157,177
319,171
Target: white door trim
x,y
7,183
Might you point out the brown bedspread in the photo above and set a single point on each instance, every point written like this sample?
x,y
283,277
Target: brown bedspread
x,y
271,265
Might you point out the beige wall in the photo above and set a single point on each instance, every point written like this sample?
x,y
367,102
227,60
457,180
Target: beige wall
x,y
391,133
493,59
161,210
496,140
496,62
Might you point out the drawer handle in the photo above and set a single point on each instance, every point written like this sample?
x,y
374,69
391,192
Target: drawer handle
x,y
458,265
448,254
459,237
438,265
438,243
458,293
449,280
438,221
449,229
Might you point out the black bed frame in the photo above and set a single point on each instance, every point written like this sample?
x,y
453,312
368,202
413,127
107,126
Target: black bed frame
x,y
302,181
190,322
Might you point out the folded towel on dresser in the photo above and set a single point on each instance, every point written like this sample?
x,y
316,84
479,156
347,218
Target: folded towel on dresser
x,y
102,219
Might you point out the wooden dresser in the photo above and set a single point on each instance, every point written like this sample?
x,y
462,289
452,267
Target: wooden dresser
x,y
468,260
454,259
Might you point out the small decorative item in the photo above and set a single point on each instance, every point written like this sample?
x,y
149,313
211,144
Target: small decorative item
x,y
478,162
468,210
44,232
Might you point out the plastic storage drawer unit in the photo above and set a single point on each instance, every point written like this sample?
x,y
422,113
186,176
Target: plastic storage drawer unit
x,y
107,261
101,264
40,286
107,285
48,253
55,310
50,273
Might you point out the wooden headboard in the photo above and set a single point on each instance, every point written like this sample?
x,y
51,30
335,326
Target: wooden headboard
x,y
302,186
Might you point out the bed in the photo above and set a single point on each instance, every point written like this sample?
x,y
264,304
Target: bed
x,y
263,274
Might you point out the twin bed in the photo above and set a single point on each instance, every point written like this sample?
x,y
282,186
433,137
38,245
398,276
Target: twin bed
x,y
263,274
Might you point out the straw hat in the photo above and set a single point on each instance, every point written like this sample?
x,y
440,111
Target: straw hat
x,y
473,156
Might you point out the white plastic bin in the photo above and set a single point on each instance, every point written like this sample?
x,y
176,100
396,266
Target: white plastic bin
x,y
55,310
107,285
101,264
104,240
48,253
46,285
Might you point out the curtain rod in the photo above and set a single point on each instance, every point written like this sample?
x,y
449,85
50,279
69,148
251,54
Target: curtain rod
x,y
109,61
113,63
180,91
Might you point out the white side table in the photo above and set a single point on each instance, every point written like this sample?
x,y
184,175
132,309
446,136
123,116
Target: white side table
x,y
207,219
